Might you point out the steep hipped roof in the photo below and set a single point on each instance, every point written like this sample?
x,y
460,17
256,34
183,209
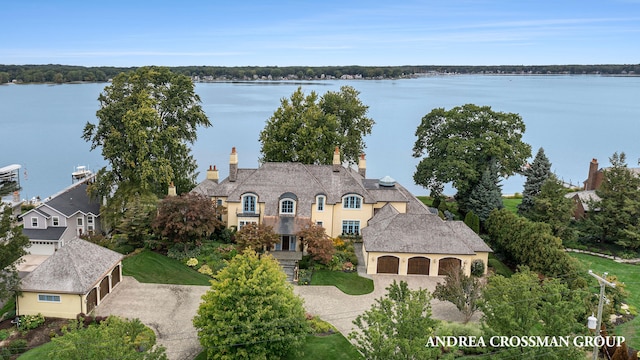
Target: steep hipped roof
x,y
271,180
74,268
585,197
423,233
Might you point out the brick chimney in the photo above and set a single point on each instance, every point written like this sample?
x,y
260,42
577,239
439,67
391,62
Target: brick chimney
x,y
591,182
172,190
233,165
212,174
337,164
362,166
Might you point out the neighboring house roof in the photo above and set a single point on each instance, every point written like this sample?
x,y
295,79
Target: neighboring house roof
x,y
74,268
585,197
68,202
423,233
271,180
50,233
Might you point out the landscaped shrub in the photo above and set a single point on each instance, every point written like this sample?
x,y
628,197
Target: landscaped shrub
x,y
30,322
4,334
304,276
192,262
348,267
205,269
318,326
477,268
178,253
18,346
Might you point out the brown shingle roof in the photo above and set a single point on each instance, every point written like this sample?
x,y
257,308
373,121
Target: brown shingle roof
x,y
74,268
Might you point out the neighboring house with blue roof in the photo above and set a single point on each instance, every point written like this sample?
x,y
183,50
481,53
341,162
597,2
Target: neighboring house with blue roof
x,y
61,217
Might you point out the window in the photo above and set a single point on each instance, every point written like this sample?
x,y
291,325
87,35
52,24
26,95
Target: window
x,y
287,206
320,202
352,202
55,221
320,223
80,221
34,222
48,298
90,220
219,202
242,223
249,204
351,227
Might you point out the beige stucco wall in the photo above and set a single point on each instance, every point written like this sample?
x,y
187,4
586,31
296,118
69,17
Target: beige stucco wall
x,y
69,306
371,261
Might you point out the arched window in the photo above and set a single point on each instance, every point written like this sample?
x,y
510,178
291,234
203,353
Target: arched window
x,y
287,207
352,202
320,202
249,204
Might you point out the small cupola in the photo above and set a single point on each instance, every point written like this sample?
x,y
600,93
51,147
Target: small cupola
x,y
387,182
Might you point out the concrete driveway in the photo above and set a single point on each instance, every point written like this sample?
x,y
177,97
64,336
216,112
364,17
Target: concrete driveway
x,y
340,309
167,309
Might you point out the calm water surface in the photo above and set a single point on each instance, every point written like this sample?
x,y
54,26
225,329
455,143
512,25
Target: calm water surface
x,y
574,118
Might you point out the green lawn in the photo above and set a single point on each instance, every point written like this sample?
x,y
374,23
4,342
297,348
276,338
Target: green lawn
x,y
499,267
627,274
151,267
40,352
349,283
511,204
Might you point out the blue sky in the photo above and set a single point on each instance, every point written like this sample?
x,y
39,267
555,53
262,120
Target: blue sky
x,y
318,33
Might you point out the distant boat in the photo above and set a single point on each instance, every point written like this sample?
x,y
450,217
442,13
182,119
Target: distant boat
x,y
81,172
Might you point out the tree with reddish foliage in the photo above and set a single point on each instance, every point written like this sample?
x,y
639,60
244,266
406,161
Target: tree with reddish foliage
x,y
258,237
187,219
319,244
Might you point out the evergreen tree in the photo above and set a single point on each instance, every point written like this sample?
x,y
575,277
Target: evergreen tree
x,y
537,174
551,207
486,195
473,221
12,246
251,311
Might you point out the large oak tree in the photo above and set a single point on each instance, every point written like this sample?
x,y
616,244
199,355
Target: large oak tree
x,y
147,119
307,129
458,145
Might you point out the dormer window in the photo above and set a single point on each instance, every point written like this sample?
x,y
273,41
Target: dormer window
x,y
287,207
287,204
34,222
249,204
352,202
320,201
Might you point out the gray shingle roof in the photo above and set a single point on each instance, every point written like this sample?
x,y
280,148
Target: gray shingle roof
x,y
74,199
271,180
50,233
585,197
74,268
391,231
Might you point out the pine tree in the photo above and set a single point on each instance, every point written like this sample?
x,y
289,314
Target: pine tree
x,y
487,195
536,174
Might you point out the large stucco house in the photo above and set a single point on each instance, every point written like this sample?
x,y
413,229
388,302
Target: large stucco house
x,y
399,233
74,280
60,218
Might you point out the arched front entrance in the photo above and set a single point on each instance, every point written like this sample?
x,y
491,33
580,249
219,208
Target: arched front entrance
x,y
388,264
447,265
418,266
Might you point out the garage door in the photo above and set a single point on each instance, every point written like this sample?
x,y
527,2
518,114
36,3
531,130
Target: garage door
x,y
418,266
388,265
92,300
447,265
104,287
115,276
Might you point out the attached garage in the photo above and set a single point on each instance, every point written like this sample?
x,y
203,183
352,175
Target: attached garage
x,y
418,265
447,265
388,265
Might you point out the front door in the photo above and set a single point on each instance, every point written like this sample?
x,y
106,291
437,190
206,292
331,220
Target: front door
x,y
285,243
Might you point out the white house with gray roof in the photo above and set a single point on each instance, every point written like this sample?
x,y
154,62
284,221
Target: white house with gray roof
x,y
344,201
74,280
61,217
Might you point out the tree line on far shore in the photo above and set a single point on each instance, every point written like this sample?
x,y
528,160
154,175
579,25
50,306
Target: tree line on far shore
x,y
54,73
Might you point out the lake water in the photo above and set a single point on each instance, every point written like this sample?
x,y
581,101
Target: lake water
x,y
574,118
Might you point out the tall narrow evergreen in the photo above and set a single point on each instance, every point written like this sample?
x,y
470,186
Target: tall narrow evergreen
x,y
487,194
536,174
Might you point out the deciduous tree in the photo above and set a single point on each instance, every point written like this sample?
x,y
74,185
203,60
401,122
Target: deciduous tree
x,y
522,306
256,236
465,292
536,174
456,147
187,219
147,119
307,129
113,338
250,312
12,246
397,326
319,244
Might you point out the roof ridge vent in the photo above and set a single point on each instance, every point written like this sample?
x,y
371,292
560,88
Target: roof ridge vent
x,y
387,181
